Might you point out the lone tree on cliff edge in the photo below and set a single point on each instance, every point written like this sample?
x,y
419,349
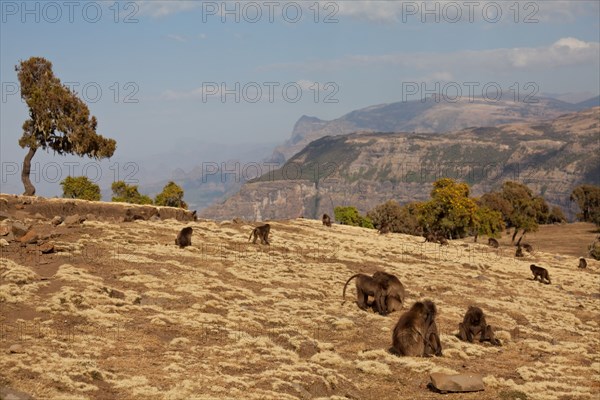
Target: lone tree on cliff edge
x,y
58,119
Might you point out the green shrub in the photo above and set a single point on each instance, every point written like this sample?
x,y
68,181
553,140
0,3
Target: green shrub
x,y
125,193
171,196
80,188
348,215
399,219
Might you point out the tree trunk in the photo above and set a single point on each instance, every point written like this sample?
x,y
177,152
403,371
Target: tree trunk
x,y
519,242
514,235
29,188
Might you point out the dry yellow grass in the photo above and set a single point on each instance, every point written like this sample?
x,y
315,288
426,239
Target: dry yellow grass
x,y
225,319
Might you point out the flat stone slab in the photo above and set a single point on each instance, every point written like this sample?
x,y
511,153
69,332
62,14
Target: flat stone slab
x,y
456,383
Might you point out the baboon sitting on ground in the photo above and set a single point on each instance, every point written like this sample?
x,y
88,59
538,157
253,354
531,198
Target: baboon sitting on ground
x,y
528,248
416,333
519,252
384,228
261,232
493,242
540,272
326,220
474,324
582,263
184,238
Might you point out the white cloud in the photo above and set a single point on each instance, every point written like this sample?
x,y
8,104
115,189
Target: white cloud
x,y
177,38
564,52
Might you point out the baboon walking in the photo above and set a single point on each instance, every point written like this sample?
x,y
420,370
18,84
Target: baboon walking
x,y
493,242
392,293
261,232
184,237
326,220
582,263
540,272
519,251
366,286
384,228
474,324
416,333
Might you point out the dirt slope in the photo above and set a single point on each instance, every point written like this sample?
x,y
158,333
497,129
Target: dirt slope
x,y
225,319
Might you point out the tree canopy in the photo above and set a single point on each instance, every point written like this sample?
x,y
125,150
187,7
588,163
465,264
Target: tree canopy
x,y
123,192
58,119
171,196
587,198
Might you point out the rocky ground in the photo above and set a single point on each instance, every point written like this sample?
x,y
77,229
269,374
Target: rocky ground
x,y
97,308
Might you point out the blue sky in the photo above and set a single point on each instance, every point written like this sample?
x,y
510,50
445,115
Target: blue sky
x,y
170,55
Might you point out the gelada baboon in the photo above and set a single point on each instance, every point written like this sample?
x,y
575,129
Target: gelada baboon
x,y
527,247
493,242
519,252
366,286
184,237
436,237
326,220
384,228
416,333
391,293
582,263
474,324
540,272
261,232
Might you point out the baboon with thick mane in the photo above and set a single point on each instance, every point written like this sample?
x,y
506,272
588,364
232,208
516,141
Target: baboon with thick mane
x,y
474,324
392,293
493,242
582,263
261,232
540,272
366,286
416,333
184,237
326,220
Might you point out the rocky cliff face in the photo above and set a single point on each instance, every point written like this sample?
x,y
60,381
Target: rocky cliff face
x,y
432,115
365,169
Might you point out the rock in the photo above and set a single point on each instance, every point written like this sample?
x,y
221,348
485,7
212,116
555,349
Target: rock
x,y
39,216
116,294
4,230
90,217
3,243
16,348
30,237
4,215
19,229
57,220
46,248
7,393
155,218
74,220
456,383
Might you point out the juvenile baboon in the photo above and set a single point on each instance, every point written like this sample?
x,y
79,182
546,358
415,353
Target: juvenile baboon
x,y
392,293
416,333
527,247
430,237
582,263
384,228
540,272
326,220
433,345
519,252
184,237
261,232
493,242
442,241
474,324
365,286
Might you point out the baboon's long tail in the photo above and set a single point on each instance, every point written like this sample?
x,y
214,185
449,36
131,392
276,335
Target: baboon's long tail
x,y
347,282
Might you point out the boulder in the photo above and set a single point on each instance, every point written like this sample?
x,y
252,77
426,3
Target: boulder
x,y
456,383
19,229
57,220
30,237
74,220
